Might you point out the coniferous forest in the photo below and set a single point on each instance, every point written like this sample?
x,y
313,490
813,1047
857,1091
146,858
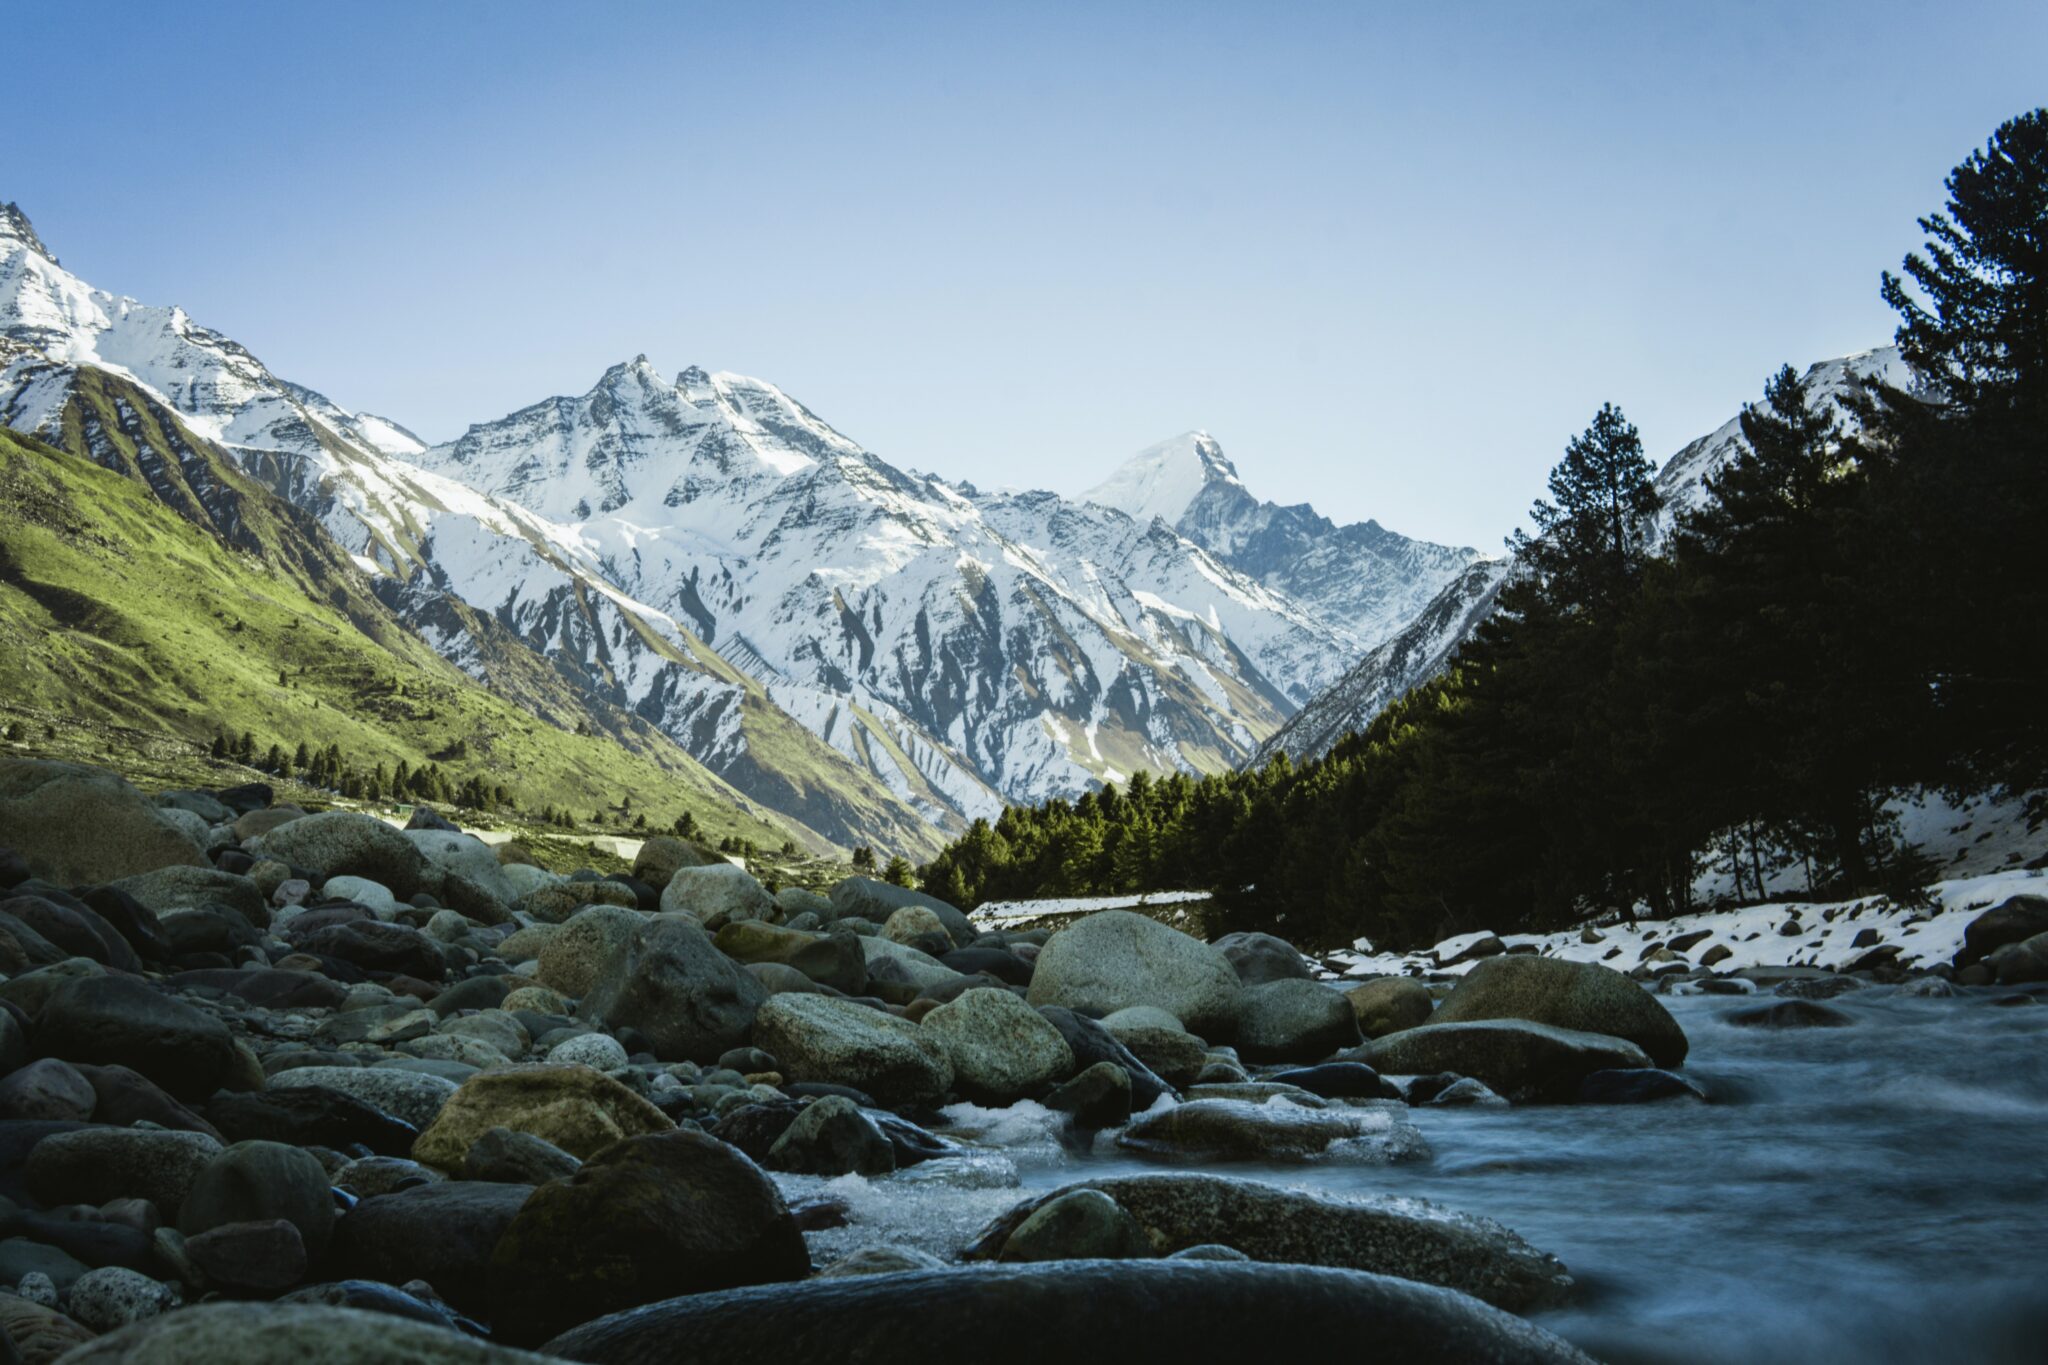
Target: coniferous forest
x,y
1857,611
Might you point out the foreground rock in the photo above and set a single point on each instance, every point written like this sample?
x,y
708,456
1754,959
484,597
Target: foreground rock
x,y
1238,1130
645,1219
1519,1060
1582,996
1076,1313
1116,959
1388,1236
265,1334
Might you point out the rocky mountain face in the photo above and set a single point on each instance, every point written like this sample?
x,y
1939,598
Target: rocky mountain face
x,y
880,654
1361,580
1426,644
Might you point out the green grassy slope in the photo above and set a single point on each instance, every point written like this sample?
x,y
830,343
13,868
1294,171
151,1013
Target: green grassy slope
x,y
786,774
129,628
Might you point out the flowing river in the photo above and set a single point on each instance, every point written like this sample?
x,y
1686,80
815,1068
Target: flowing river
x,y
1875,1193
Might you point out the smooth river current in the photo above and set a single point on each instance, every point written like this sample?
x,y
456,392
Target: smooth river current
x,y
1872,1193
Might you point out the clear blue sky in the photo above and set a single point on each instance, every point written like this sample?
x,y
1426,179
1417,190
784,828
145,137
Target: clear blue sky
x,y
1393,256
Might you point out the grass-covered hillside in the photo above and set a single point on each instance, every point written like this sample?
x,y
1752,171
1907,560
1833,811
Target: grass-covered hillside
x,y
135,634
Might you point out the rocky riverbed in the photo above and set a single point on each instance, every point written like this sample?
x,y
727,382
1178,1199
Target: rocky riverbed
x,y
280,1084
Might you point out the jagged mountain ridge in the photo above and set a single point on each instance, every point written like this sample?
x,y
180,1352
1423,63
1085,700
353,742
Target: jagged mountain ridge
x,y
1034,644
1422,649
434,543
863,647
1360,580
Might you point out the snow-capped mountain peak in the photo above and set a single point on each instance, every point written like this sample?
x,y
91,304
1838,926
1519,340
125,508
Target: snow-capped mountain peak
x,y
15,228
1163,480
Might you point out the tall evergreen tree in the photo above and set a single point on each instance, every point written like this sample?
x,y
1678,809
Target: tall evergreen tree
x,y
1982,333
1591,543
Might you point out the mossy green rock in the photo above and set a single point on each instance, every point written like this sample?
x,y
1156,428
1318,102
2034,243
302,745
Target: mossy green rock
x,y
74,824
577,1108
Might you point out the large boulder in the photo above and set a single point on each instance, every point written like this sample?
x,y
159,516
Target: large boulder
x,y
576,952
1513,1057
345,843
1389,1005
672,985
2019,963
94,1165
553,902
578,1109
842,1042
442,1233
310,1116
73,824
716,894
1078,1313
258,1181
1386,1234
921,969
662,856
834,960
1294,1020
180,888
1206,1130
265,1333
1114,959
412,1096
1581,996
466,856
875,901
377,946
1373,1233
832,1136
2014,921
1259,958
644,1220
1092,1043
119,1020
1001,1049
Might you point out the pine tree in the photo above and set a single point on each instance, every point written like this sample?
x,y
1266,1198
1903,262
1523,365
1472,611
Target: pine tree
x,y
1982,334
1591,543
899,871
221,747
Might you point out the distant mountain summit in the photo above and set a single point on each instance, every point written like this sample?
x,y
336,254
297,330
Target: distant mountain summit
x,y
1361,580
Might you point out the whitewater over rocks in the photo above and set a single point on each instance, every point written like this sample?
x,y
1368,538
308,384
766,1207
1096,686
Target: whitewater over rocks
x,y
316,1085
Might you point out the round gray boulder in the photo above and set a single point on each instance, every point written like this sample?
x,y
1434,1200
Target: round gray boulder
x,y
687,999
1293,1020
1001,1049
842,1042
1582,996
1114,959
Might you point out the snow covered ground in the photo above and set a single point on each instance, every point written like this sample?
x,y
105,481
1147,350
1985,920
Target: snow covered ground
x,y
995,912
1924,934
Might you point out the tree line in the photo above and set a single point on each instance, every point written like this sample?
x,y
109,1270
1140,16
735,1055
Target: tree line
x,y
1855,610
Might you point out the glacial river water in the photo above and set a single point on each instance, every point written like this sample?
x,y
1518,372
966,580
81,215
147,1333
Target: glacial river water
x,y
1876,1193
